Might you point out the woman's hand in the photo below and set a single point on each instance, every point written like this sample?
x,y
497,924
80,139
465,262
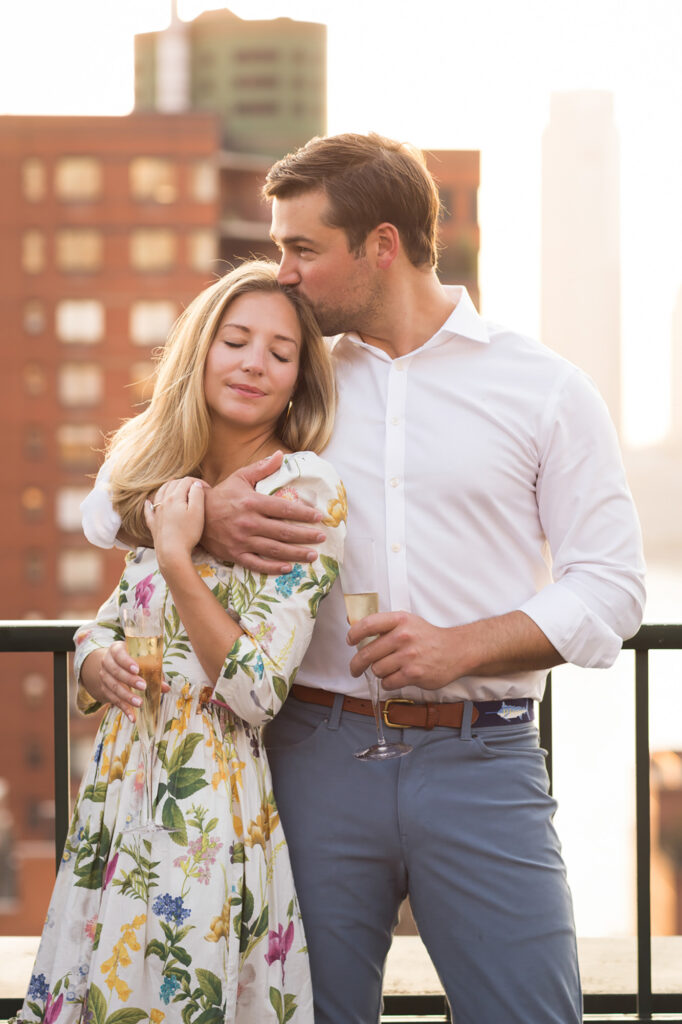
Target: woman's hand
x,y
112,676
176,519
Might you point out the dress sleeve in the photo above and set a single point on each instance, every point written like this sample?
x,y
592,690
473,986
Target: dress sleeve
x,y
100,521
93,636
277,613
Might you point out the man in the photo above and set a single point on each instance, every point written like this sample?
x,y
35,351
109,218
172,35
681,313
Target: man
x,y
476,458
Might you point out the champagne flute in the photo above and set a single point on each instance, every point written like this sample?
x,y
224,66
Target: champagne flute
x,y
143,628
359,583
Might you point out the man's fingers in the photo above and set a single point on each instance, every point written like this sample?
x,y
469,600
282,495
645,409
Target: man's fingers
x,y
259,470
295,512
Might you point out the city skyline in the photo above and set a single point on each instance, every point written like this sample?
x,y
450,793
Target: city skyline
x,y
482,81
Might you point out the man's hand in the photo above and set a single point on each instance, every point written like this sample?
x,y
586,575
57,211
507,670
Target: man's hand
x,y
260,532
409,651
111,676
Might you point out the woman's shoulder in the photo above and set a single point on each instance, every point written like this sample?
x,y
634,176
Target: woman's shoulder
x,y
305,476
300,466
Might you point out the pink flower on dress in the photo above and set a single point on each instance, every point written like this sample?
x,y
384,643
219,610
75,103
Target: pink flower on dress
x,y
91,928
143,592
52,1009
111,870
279,944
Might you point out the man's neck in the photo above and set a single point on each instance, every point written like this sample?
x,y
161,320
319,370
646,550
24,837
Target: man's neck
x,y
415,311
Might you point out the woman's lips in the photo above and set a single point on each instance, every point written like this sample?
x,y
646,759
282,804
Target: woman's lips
x,y
244,389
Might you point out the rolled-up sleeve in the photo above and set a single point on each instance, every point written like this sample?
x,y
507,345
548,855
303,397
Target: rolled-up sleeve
x,y
596,598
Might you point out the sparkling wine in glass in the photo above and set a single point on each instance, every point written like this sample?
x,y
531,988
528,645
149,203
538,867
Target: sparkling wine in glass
x,y
359,582
143,629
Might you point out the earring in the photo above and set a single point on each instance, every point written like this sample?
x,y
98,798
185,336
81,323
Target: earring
x,y
289,408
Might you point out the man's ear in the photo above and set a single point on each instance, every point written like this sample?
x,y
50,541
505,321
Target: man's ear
x,y
385,239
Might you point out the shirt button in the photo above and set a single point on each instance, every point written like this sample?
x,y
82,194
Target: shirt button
x,y
394,482
399,367
395,420
395,547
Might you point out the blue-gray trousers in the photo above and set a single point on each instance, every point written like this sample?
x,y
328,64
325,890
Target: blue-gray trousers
x,y
464,825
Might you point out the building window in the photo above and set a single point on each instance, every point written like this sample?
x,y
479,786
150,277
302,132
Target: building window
x,y
203,250
33,753
35,380
153,180
80,384
256,109
34,688
33,503
77,444
33,179
79,569
204,182
34,316
80,321
248,55
79,249
78,178
68,507
255,82
34,442
150,322
153,249
142,380
34,566
33,252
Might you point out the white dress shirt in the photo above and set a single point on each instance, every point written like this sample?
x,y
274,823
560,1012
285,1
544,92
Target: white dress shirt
x,y
487,470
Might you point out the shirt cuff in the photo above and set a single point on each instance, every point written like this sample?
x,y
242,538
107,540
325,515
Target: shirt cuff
x,y
100,522
580,636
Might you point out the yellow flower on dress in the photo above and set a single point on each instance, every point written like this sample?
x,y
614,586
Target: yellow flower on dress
x,y
156,1016
261,829
120,957
118,765
220,926
204,570
337,508
184,708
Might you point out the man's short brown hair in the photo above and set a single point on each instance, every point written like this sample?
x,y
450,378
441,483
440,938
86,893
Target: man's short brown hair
x,y
368,180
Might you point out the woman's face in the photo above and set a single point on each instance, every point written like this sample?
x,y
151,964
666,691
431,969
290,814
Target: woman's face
x,y
253,361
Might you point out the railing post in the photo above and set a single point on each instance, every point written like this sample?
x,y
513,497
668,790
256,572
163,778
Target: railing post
x,y
61,752
545,727
643,811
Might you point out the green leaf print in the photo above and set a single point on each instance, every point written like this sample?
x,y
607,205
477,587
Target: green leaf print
x,y
211,986
214,1015
97,793
248,905
331,566
289,1006
142,879
238,855
130,1016
37,1011
184,751
261,925
97,1005
280,687
92,858
181,955
172,818
186,781
155,948
276,1002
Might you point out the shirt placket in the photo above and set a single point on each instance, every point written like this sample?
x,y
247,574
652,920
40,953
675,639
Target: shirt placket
x,y
394,485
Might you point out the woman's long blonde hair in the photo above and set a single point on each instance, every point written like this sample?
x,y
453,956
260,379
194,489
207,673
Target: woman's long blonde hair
x,y
170,438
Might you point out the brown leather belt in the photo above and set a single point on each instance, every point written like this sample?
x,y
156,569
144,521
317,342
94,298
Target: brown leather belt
x,y
396,711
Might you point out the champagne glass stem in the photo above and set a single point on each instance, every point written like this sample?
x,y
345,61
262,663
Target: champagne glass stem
x,y
148,781
373,683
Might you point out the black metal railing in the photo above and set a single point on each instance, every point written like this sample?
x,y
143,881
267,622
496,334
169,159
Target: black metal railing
x,y
639,1006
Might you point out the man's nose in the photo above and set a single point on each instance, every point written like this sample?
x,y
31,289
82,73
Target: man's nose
x,y
287,274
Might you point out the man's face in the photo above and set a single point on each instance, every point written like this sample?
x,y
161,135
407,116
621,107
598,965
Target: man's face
x,y
343,289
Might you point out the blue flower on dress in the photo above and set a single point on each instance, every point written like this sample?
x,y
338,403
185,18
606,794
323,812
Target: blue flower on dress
x,y
98,752
38,987
258,667
173,910
169,987
285,584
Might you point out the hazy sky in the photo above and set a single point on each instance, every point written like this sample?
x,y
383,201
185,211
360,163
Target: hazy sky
x,y
458,75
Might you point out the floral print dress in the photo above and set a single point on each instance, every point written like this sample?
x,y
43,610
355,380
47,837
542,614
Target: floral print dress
x,y
200,925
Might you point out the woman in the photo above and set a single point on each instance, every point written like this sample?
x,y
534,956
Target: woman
x,y
201,923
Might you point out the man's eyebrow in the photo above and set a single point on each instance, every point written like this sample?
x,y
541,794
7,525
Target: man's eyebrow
x,y
247,330
292,239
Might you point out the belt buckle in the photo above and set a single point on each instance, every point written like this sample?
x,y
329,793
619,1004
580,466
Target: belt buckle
x,y
384,710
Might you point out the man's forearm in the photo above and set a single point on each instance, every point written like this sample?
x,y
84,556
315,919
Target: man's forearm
x,y
501,645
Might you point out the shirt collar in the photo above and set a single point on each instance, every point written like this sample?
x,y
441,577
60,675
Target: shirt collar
x,y
463,322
